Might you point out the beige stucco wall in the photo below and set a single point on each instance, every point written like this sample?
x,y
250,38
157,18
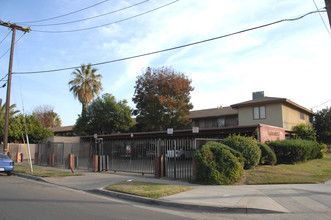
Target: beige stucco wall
x,y
291,117
273,116
61,139
21,148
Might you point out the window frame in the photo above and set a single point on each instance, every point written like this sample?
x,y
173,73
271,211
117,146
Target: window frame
x,y
258,113
302,116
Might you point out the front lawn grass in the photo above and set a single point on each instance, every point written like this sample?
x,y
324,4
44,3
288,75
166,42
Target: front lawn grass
x,y
314,171
147,189
43,172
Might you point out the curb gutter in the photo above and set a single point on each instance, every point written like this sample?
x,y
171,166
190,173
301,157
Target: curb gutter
x,y
36,178
160,202
179,205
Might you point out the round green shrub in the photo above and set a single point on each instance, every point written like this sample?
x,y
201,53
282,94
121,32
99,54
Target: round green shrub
x,y
295,150
247,146
268,157
215,164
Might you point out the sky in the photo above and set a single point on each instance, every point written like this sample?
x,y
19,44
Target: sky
x,y
288,60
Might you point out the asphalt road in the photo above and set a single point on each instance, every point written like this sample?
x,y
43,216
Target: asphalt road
x,y
26,199
22,198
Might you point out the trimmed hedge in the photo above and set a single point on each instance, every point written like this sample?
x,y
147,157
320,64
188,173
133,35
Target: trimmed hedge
x,y
296,150
247,146
215,164
268,157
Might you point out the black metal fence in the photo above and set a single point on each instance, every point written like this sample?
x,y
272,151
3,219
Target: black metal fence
x,y
127,155
82,152
135,156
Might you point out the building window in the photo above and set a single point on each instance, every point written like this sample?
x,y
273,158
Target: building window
x,y
221,122
302,116
259,112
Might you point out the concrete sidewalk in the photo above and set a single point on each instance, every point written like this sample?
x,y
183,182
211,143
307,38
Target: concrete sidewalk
x,y
297,198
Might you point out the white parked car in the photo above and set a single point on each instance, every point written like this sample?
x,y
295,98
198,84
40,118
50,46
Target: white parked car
x,y
179,153
171,153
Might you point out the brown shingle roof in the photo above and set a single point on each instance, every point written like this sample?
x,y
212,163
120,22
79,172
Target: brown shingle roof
x,y
270,100
62,129
213,112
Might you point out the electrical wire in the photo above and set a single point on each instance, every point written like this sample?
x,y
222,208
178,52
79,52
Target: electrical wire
x,y
5,37
103,25
321,104
177,47
89,18
70,13
9,47
2,79
327,29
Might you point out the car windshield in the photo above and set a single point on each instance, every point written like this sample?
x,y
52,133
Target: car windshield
x,y
3,156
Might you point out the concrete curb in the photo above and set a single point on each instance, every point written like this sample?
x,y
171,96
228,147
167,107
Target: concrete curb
x,y
165,203
159,202
30,177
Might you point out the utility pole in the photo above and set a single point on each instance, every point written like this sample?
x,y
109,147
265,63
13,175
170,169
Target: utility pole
x,y
328,9
25,30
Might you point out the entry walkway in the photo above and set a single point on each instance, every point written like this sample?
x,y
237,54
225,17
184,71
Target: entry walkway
x,y
297,198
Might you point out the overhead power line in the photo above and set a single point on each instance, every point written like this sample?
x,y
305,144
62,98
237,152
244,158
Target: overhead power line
x,y
327,29
321,104
13,27
5,37
70,13
3,78
9,48
177,47
89,18
103,25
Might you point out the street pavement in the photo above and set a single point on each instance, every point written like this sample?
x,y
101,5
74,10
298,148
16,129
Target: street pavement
x,y
286,198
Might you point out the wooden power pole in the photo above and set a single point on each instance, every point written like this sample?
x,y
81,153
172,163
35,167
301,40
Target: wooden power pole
x,y
328,9
25,30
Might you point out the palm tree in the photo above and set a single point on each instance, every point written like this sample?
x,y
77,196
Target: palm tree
x,y
85,84
12,110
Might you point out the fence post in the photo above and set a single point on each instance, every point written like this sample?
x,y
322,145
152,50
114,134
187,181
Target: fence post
x,y
193,164
51,160
71,158
18,157
162,165
95,163
157,170
36,158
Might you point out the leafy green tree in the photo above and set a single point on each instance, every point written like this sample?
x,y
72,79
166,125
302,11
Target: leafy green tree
x,y
305,131
12,110
85,84
104,115
20,125
162,98
322,124
47,117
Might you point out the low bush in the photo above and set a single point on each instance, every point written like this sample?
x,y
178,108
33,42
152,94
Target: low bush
x,y
215,164
296,150
324,149
247,146
268,157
